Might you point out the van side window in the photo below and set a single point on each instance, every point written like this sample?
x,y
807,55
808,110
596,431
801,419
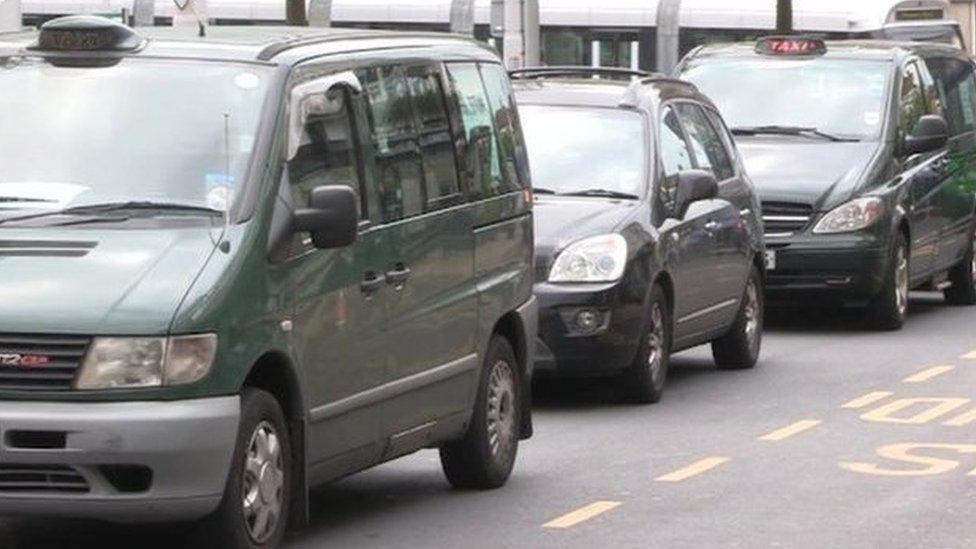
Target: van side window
x,y
957,91
434,135
675,156
326,156
483,163
502,102
395,150
911,101
709,149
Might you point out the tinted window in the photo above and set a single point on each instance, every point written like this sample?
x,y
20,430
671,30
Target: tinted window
x,y
911,103
708,146
395,148
957,91
482,160
434,134
507,126
675,156
326,155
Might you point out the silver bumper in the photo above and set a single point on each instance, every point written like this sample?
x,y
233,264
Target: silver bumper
x,y
65,459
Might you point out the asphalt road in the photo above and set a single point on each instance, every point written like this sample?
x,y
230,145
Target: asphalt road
x,y
842,437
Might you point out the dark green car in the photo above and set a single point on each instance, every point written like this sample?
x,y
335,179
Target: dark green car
x,y
864,156
238,265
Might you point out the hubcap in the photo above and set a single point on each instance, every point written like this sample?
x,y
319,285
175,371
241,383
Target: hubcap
x,y
656,342
753,315
501,409
901,281
264,481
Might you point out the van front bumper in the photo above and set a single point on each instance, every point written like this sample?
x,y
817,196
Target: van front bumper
x,y
120,462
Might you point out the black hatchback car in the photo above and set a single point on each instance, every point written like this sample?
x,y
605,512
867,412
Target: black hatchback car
x,y
864,156
648,235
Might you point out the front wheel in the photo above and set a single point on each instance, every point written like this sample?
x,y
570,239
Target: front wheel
x,y
963,277
644,382
889,309
253,513
484,458
739,349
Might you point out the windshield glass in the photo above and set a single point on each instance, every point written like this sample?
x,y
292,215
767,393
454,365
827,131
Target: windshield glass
x,y
841,97
574,150
140,130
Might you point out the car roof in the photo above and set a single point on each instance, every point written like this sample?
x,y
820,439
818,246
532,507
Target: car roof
x,y
883,50
647,92
274,44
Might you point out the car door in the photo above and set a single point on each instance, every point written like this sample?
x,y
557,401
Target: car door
x,y
730,241
954,198
429,267
926,173
338,326
691,249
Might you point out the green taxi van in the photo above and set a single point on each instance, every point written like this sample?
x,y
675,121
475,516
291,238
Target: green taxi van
x,y
239,262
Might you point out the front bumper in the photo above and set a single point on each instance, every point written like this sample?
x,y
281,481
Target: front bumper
x,y
560,351
849,269
94,458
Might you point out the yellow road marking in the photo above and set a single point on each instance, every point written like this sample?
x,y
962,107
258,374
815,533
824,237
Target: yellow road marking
x,y
870,398
934,408
582,514
928,374
694,469
790,430
964,419
971,355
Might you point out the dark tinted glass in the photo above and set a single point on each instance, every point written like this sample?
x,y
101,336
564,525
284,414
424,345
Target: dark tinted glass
x,y
675,156
434,134
957,90
708,146
911,101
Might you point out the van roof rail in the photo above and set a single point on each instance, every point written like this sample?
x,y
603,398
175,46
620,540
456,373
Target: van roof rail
x,y
556,71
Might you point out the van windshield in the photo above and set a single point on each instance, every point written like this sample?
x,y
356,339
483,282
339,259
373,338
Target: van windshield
x,y
139,130
839,97
585,151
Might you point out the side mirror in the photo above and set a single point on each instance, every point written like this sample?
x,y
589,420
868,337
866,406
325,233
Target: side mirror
x,y
694,185
331,217
931,133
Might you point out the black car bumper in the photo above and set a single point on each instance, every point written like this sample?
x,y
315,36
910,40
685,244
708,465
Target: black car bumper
x,y
844,269
607,344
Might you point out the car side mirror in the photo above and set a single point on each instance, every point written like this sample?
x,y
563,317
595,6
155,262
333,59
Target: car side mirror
x,y
931,133
693,186
331,217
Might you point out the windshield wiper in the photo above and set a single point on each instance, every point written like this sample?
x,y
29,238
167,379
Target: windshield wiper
x,y
791,130
603,193
109,207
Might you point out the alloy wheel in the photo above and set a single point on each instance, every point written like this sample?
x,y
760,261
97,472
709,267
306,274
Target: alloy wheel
x,y
501,409
752,314
656,342
901,281
264,481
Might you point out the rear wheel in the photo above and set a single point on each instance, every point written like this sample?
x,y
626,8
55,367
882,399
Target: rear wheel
x,y
644,382
888,310
254,511
963,277
739,349
484,458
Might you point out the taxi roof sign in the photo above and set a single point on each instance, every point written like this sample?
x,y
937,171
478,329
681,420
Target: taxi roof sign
x,y
86,33
791,46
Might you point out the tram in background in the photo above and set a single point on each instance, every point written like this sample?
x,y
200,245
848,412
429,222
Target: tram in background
x,y
619,33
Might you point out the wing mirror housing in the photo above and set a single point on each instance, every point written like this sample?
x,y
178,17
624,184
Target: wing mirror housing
x,y
931,133
331,217
694,186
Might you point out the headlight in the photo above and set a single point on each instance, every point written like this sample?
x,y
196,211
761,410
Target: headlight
x,y
595,259
131,362
855,215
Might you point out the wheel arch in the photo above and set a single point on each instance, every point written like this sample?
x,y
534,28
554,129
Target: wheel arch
x,y
511,327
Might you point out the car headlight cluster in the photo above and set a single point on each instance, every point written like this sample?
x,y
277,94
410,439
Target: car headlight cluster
x,y
595,259
132,362
852,216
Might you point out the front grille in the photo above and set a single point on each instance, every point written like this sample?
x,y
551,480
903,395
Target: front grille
x,y
785,218
41,478
40,363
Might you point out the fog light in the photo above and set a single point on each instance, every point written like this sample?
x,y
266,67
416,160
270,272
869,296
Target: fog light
x,y
588,320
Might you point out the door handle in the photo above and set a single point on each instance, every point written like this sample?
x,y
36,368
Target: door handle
x,y
371,284
713,226
398,276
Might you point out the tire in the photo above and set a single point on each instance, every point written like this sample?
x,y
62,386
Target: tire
x,y
262,423
484,458
644,382
889,309
740,348
963,277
